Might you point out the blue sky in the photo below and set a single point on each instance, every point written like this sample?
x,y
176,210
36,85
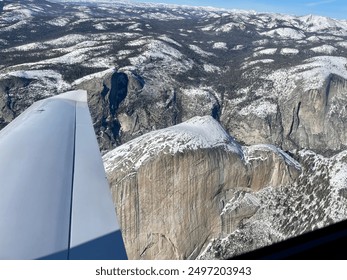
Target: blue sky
x,y
332,8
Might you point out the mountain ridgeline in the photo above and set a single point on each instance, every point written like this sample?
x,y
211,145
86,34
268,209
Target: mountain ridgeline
x,y
222,130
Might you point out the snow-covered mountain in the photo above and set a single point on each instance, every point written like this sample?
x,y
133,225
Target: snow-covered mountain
x,y
269,79
190,60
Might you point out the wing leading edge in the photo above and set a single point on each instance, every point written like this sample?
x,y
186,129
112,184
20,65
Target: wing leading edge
x,y
55,201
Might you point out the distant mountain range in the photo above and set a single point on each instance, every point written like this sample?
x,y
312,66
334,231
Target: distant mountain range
x,y
274,85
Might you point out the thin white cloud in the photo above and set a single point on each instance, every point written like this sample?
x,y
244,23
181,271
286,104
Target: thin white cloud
x,y
318,3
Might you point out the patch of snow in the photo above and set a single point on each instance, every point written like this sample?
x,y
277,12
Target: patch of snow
x,y
137,43
285,33
342,44
338,174
261,42
249,150
156,49
260,109
207,28
162,16
338,171
24,12
200,51
134,26
211,68
30,47
163,56
75,56
100,26
312,74
220,46
258,61
49,78
235,205
327,49
313,39
93,76
230,26
100,62
321,24
59,22
289,51
238,48
332,38
124,54
16,25
66,40
196,92
270,51
169,40
82,15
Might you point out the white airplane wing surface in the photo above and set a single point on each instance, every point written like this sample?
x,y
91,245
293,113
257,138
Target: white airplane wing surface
x,y
55,201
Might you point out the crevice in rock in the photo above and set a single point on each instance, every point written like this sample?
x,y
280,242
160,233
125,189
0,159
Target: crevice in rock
x,y
295,123
172,100
115,128
148,246
135,123
297,115
292,124
281,132
327,92
104,91
216,111
172,107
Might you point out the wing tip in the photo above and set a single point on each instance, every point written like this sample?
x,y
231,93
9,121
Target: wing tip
x,y
74,95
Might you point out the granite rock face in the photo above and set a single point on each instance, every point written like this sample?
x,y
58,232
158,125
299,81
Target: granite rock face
x,y
172,187
318,117
124,106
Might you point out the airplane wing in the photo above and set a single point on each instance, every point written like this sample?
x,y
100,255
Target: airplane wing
x,y
55,201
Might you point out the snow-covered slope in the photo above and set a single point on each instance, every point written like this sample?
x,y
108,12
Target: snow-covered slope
x,y
194,134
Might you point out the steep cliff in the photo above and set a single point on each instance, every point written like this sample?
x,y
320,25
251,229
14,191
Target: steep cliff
x,y
173,186
318,117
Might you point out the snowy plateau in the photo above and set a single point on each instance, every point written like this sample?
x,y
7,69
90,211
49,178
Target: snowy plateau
x,y
226,126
